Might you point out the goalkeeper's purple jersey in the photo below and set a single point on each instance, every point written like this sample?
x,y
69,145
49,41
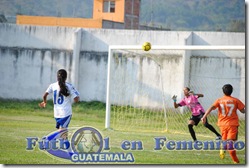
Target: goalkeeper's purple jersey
x,y
192,102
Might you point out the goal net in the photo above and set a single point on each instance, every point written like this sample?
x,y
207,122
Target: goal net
x,y
140,85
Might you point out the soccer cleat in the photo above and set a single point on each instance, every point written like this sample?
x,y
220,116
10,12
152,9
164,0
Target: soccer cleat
x,y
235,162
218,138
222,154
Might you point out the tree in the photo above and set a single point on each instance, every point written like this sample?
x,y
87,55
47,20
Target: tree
x,y
237,26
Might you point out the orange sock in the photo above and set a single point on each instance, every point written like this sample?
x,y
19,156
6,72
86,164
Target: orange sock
x,y
234,156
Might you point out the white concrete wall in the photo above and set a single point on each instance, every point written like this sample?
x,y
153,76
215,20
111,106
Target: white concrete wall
x,y
218,38
26,73
208,75
93,75
39,37
137,81
31,55
99,40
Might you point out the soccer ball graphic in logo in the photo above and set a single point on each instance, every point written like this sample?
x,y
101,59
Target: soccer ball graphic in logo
x,y
146,46
87,141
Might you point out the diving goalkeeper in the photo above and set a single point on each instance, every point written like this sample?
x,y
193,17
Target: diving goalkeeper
x,y
191,100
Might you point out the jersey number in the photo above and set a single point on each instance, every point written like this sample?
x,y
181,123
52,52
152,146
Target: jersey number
x,y
223,111
60,98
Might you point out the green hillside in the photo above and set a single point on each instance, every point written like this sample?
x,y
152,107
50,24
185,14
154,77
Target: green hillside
x,y
190,15
59,8
222,15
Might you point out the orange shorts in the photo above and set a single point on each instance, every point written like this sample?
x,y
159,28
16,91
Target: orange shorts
x,y
229,132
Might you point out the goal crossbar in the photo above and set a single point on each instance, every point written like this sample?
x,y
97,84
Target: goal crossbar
x,y
180,47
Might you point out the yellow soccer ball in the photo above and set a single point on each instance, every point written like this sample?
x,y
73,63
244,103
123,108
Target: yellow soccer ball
x,y
146,46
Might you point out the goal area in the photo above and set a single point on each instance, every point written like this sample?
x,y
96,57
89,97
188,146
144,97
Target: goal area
x,y
140,85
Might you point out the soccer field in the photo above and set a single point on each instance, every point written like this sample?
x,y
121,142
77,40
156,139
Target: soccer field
x,y
22,119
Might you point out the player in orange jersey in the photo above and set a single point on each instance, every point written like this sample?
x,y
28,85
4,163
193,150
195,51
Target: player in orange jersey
x,y
228,120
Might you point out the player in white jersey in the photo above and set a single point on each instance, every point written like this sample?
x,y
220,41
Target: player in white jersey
x,y
62,92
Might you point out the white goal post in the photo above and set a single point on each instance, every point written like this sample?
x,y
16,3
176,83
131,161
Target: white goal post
x,y
112,48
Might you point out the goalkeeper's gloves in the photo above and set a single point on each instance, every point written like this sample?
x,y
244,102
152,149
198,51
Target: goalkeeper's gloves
x,y
174,98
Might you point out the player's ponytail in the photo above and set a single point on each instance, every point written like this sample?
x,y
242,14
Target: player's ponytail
x,y
61,77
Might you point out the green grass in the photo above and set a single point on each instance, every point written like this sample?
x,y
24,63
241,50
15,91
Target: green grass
x,y
128,118
21,119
